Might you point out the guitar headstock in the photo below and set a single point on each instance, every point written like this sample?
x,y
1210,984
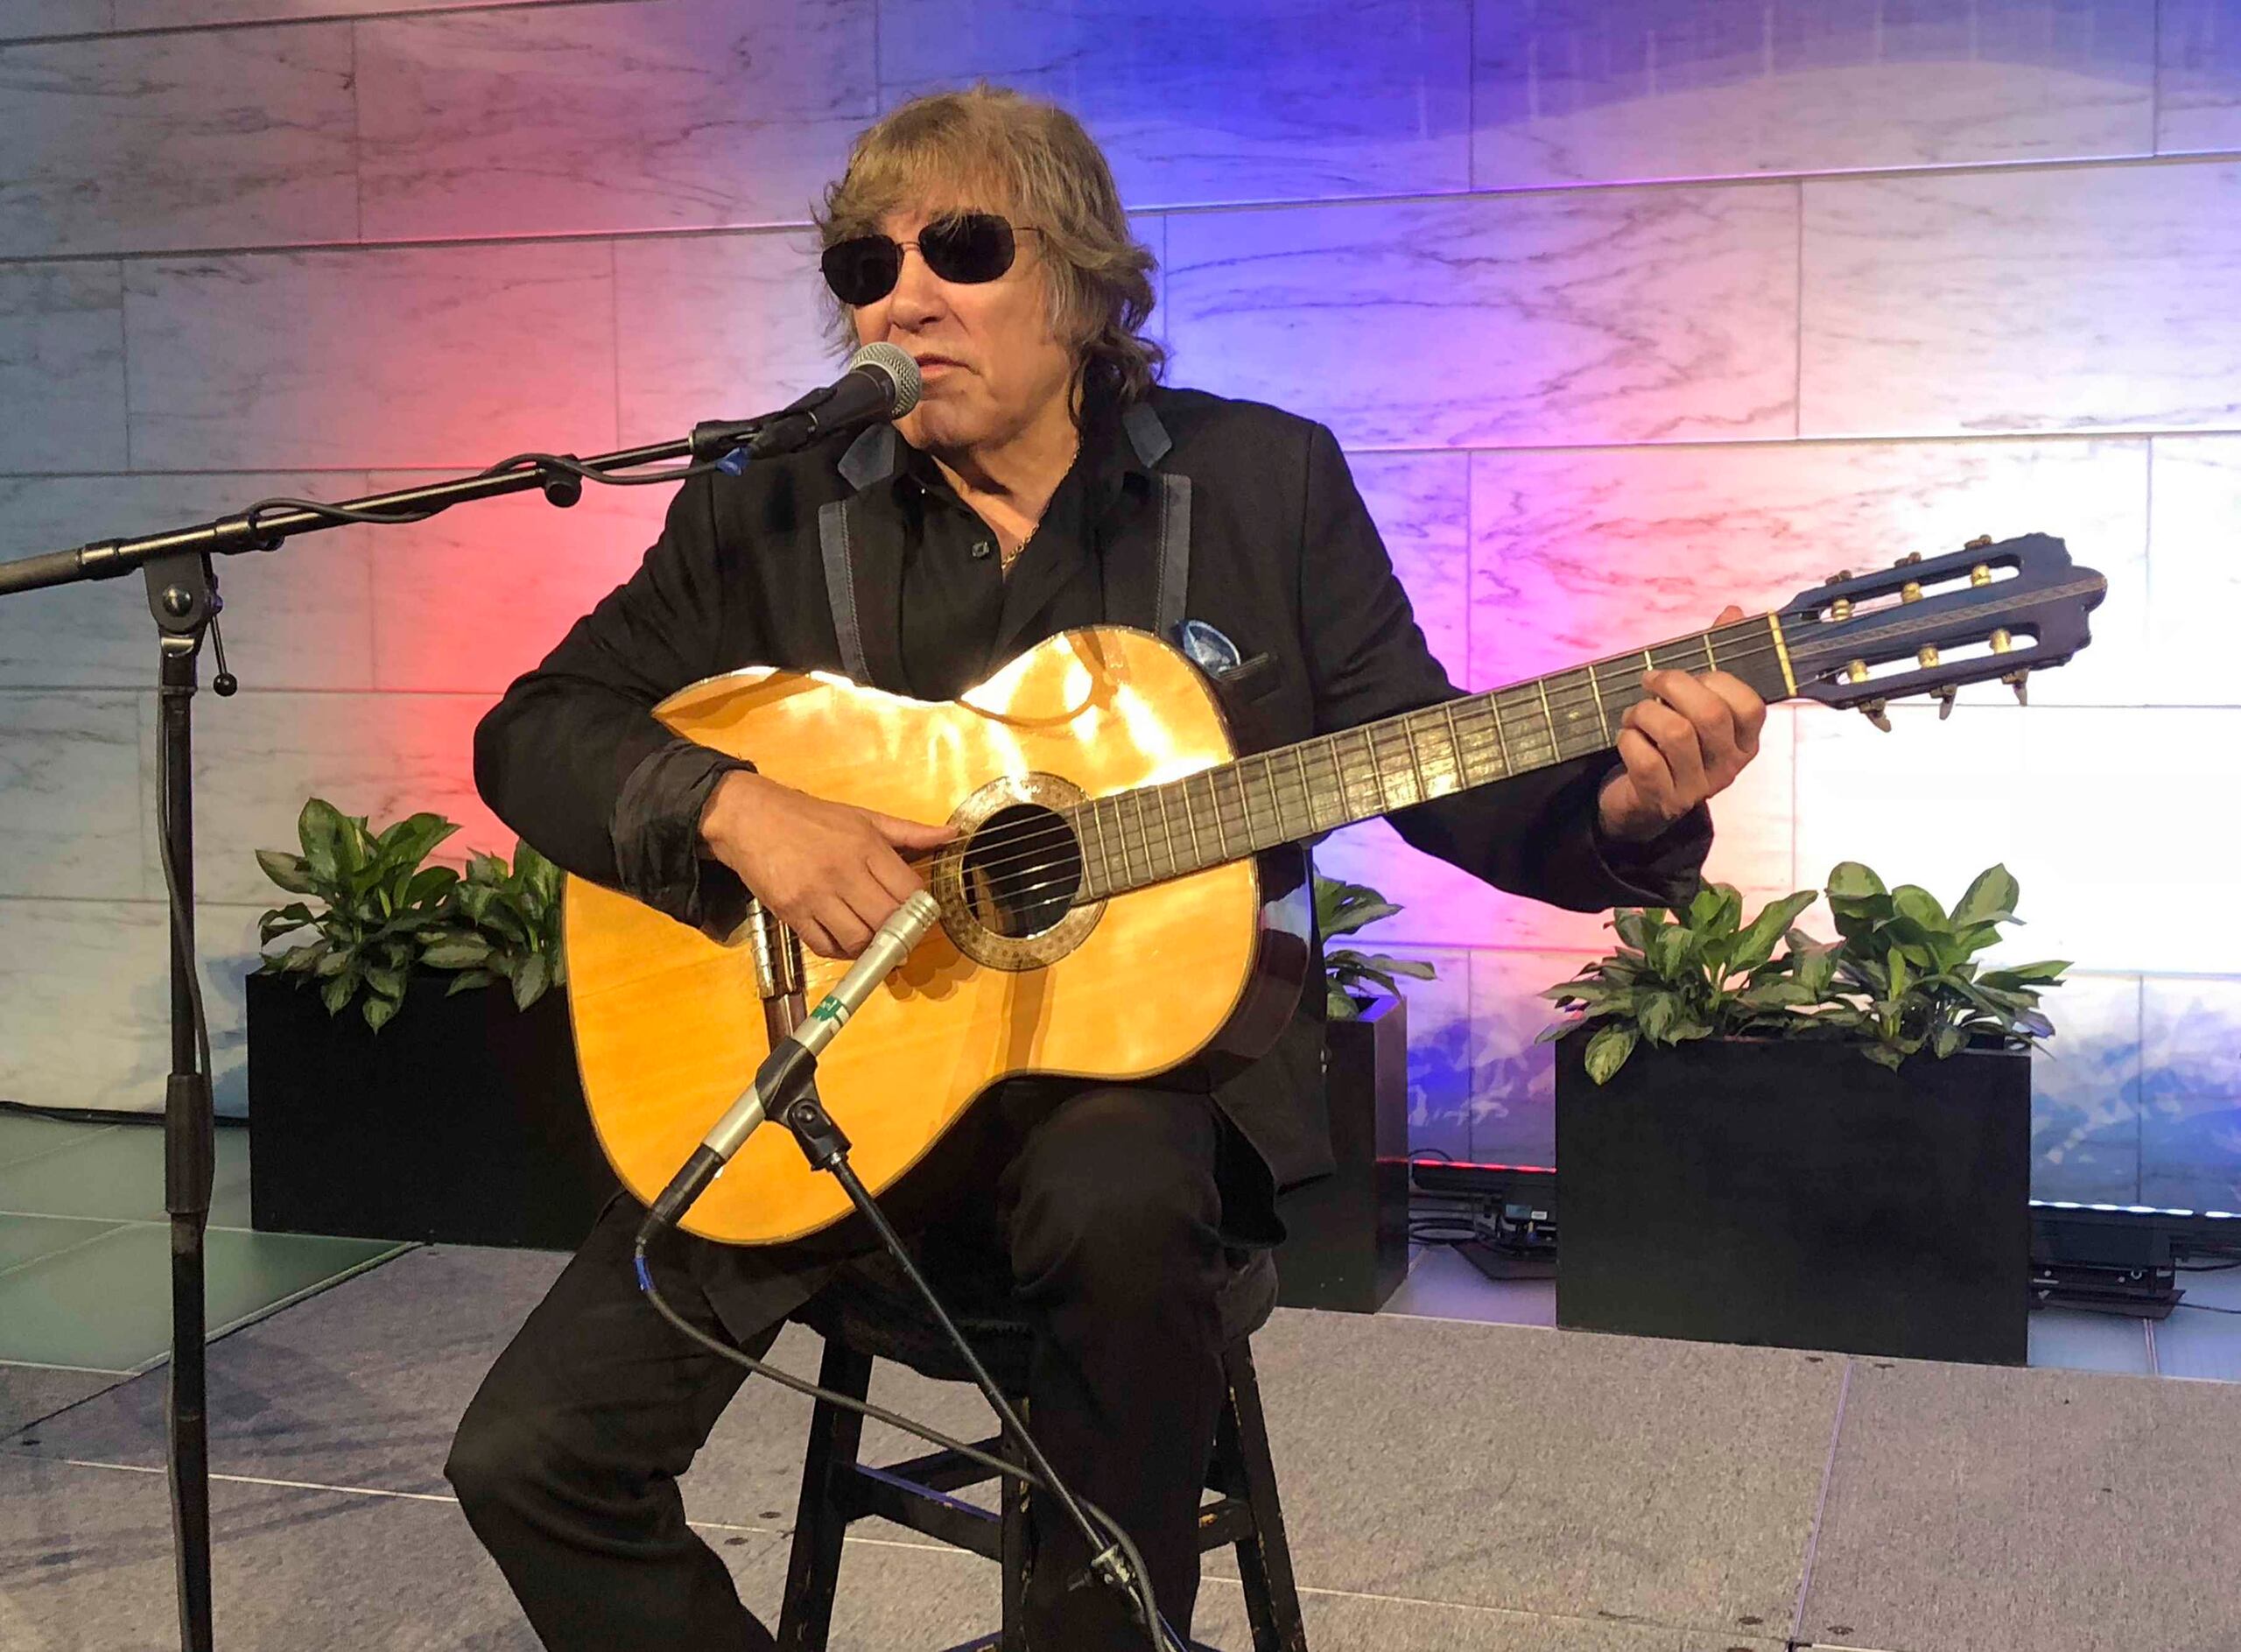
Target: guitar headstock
x,y
1927,625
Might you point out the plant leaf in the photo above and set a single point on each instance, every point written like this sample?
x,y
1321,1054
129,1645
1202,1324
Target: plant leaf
x,y
1608,1049
530,980
1635,926
1756,944
1990,899
379,1010
292,872
320,828
1414,968
467,951
1850,880
1920,907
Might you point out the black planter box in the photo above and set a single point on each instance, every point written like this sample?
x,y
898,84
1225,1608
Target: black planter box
x,y
1348,1244
462,1120
1800,1195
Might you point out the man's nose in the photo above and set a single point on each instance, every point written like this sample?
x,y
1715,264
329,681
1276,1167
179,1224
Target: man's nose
x,y
918,292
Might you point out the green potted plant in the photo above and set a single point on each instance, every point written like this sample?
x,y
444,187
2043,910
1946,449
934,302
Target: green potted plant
x,y
411,1073
1825,1146
1348,1244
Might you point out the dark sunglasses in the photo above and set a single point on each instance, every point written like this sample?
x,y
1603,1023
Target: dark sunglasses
x,y
966,247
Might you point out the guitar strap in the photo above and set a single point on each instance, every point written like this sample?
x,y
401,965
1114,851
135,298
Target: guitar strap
x,y
872,455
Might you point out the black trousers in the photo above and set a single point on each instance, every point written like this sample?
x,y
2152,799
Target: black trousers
x,y
1107,1213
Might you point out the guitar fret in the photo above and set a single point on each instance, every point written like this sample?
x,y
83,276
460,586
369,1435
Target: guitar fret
x,y
1265,782
1120,852
1444,778
1306,790
1191,824
1096,834
1549,716
1415,759
1524,734
1166,829
1601,716
1501,746
1463,780
1135,806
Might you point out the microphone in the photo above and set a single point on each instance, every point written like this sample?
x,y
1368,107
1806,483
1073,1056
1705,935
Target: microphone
x,y
882,383
789,1064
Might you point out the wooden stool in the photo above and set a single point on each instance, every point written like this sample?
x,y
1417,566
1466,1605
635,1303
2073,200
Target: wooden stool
x,y
875,1316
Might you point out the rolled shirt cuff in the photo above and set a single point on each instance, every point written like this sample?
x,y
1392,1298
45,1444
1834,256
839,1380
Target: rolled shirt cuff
x,y
656,831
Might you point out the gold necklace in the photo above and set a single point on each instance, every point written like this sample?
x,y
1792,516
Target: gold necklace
x,y
1007,555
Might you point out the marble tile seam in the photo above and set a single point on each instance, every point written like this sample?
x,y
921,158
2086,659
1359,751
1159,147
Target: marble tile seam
x,y
150,690
42,1365
1742,180
107,1228
1951,438
217,1477
1821,1504
342,14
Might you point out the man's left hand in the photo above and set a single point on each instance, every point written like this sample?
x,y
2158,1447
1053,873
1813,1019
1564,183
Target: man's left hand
x,y
1682,746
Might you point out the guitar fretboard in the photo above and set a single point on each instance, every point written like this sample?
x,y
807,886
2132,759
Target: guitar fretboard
x,y
1147,835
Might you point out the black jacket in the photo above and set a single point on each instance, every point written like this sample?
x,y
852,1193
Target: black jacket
x,y
1282,558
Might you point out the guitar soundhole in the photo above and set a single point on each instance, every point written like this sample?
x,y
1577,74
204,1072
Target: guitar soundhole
x,y
1022,871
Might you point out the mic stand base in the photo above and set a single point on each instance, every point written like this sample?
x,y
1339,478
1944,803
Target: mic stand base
x,y
825,1146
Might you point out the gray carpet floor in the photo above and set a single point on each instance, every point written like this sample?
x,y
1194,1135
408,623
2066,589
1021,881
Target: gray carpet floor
x,y
1446,1485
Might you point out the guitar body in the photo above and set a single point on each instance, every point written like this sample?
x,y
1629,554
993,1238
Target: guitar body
x,y
670,1026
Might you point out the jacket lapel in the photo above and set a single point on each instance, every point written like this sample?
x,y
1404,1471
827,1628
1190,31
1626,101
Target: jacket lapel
x,y
860,540
1146,543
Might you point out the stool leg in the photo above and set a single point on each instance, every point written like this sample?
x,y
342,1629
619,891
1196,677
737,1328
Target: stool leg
x,y
813,1570
1264,1562
1014,1545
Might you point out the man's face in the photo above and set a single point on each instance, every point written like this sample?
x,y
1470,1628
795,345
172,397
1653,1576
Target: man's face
x,y
990,363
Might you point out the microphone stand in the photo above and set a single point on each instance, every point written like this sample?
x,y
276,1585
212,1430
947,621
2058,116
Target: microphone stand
x,y
793,1102
182,587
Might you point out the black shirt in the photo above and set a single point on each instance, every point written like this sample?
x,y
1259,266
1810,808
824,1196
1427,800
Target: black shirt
x,y
956,602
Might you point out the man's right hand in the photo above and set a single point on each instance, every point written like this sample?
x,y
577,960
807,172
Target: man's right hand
x,y
830,871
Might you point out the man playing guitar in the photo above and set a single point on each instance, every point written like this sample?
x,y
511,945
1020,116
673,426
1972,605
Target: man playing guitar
x,y
1038,485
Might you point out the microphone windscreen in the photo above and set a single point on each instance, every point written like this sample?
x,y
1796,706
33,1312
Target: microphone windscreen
x,y
895,364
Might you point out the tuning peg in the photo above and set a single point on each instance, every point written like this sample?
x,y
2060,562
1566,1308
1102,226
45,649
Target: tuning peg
x,y
1978,542
1839,577
1944,697
1874,713
1908,560
2016,680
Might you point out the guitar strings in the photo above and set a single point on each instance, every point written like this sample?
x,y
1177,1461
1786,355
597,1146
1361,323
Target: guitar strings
x,y
1030,852
1027,849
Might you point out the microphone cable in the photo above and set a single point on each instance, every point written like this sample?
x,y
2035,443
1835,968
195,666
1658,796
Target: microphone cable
x,y
1163,1637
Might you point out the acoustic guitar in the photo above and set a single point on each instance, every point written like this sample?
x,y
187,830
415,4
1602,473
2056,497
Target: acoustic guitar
x,y
1104,910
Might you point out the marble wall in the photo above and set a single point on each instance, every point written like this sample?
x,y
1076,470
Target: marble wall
x,y
1623,308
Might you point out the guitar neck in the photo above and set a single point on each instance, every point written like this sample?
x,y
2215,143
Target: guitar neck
x,y
1151,834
